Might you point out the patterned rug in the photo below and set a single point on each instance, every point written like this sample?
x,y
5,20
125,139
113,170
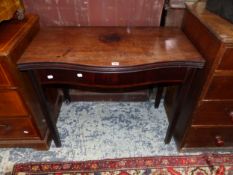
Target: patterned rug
x,y
206,164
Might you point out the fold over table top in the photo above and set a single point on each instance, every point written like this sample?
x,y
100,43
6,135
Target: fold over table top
x,y
110,47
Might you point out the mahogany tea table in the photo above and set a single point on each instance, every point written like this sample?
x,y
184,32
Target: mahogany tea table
x,y
111,59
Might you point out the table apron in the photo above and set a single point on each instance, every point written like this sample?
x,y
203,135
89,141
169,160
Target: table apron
x,y
110,80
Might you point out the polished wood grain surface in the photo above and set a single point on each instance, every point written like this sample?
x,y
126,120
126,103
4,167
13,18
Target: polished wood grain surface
x,y
111,47
214,113
220,88
222,28
4,79
227,61
16,31
11,104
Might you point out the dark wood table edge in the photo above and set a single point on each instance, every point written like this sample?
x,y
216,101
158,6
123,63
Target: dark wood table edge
x,y
110,69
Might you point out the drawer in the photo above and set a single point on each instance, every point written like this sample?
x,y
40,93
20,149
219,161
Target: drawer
x,y
220,88
209,137
4,81
113,80
214,113
11,104
17,128
227,60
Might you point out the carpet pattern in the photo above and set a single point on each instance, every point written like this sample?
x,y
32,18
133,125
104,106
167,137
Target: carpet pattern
x,y
101,130
205,164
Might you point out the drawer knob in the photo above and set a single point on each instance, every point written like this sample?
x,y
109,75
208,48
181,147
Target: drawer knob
x,y
219,141
50,77
231,115
79,75
26,132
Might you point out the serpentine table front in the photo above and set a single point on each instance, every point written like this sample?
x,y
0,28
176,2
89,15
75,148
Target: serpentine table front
x,y
111,59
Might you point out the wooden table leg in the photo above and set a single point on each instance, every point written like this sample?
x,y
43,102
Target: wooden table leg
x,y
181,98
66,94
45,107
158,96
